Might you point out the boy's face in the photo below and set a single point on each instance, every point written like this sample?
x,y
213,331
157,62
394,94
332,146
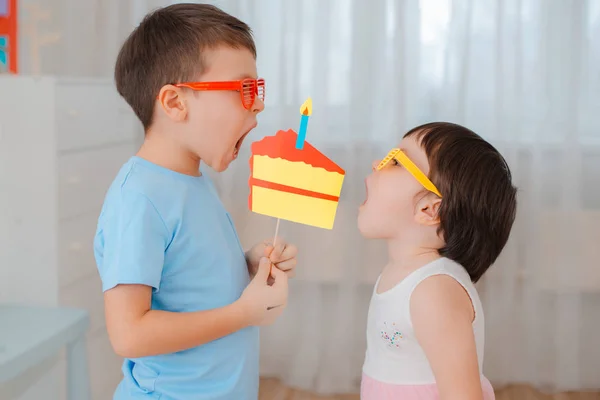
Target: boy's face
x,y
217,121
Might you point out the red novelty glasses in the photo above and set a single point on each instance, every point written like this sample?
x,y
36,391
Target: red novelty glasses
x,y
249,89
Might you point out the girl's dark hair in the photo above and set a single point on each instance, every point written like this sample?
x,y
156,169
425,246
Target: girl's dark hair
x,y
479,202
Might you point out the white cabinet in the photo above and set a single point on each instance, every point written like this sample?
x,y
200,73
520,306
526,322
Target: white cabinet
x,y
62,141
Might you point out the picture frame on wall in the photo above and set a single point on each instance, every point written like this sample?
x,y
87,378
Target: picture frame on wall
x,y
8,36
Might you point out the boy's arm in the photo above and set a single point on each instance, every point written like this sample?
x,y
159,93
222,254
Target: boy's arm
x,y
135,330
442,317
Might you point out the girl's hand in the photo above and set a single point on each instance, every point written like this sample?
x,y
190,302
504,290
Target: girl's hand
x,y
283,256
442,316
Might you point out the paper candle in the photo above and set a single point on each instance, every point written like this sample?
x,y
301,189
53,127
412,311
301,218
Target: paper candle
x,y
301,186
305,112
3,54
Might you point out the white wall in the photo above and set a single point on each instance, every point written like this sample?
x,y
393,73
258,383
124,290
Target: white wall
x,y
58,156
28,270
27,214
91,32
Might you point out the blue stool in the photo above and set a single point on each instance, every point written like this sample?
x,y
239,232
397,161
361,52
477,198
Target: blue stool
x,y
31,335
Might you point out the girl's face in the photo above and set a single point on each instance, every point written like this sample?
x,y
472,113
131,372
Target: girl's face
x,y
394,198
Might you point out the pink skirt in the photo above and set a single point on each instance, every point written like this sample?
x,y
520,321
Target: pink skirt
x,y
375,390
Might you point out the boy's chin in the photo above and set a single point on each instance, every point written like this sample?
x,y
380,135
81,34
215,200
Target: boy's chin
x,y
219,165
222,167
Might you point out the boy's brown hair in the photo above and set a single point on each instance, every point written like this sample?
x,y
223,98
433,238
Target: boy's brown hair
x,y
479,200
167,47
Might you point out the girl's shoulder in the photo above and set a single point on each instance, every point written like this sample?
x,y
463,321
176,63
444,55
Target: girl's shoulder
x,y
444,282
441,266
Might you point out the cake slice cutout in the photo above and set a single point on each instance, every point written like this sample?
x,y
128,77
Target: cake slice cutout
x,y
297,185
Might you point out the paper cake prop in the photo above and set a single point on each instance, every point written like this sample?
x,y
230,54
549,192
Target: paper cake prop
x,y
296,184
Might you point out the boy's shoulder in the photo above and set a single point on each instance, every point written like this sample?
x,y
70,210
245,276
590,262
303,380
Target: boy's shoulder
x,y
140,181
135,178
137,182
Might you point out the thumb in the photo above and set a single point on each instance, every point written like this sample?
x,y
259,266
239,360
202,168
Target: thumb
x,y
267,251
264,269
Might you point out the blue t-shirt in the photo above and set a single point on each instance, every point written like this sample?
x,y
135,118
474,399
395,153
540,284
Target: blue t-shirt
x,y
170,231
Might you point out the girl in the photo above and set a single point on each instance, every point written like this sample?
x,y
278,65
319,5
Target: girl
x,y
445,204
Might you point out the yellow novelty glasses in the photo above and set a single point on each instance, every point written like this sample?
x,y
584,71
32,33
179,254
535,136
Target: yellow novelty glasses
x,y
398,155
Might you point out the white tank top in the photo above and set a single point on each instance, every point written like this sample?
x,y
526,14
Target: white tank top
x,y
393,354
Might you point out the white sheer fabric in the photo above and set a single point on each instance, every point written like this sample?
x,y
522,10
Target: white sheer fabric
x,y
522,73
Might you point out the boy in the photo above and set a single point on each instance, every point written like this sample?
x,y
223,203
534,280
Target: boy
x,y
180,304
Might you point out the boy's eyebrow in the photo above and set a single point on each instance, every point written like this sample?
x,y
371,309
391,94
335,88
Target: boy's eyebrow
x,y
245,76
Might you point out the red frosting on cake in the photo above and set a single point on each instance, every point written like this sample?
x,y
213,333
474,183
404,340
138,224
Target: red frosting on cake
x,y
283,145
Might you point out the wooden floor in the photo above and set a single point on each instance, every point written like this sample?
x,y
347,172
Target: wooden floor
x,y
271,389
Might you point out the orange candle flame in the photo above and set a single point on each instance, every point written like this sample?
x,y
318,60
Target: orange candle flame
x,y
306,108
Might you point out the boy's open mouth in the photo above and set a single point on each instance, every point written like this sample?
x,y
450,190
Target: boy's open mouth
x,y
238,144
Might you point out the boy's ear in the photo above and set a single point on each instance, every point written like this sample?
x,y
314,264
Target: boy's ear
x,y
173,103
428,210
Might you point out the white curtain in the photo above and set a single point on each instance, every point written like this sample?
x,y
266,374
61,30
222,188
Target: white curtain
x,y
525,74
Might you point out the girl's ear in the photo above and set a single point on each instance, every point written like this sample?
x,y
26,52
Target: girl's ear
x,y
428,209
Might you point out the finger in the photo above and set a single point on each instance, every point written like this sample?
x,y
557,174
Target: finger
x,y
267,251
287,265
291,273
276,254
289,252
278,239
281,279
264,269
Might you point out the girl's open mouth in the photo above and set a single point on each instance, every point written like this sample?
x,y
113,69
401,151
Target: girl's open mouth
x,y
366,194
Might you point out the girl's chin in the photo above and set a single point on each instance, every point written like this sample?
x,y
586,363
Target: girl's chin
x,y
369,229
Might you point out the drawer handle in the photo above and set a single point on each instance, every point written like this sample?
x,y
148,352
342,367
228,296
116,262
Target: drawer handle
x,y
74,180
75,246
73,113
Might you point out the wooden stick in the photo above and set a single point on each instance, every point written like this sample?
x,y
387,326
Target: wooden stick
x,y
274,242
276,232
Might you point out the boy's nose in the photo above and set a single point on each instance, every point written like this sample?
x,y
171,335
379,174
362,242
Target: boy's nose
x,y
258,105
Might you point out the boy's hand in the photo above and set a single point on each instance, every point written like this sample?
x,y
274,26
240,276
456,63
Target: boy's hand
x,y
262,303
282,256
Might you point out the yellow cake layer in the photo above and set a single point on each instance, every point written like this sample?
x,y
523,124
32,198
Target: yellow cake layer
x,y
297,174
294,207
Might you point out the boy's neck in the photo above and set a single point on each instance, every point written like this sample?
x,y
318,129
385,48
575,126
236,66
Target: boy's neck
x,y
159,150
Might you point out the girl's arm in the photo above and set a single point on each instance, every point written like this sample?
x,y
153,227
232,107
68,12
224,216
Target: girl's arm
x,y
442,316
